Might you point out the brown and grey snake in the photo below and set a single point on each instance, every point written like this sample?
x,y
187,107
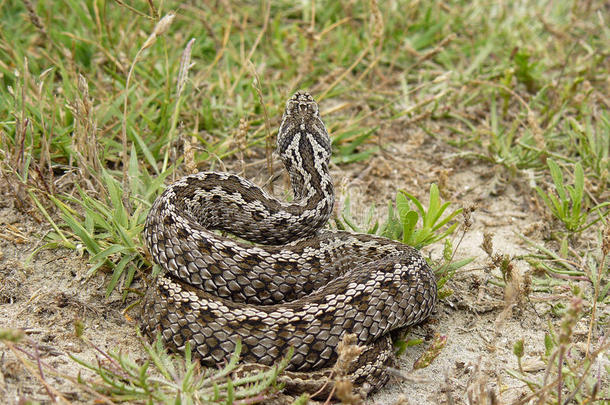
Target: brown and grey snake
x,y
293,284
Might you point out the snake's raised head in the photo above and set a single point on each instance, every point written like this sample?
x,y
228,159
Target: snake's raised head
x,y
301,104
302,130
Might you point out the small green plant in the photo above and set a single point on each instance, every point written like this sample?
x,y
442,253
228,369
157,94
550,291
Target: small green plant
x,y
431,352
445,269
592,143
527,72
518,351
401,224
369,224
431,223
567,206
161,378
569,203
168,379
591,266
505,146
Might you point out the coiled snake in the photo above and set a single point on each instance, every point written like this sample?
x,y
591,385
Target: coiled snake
x,y
298,286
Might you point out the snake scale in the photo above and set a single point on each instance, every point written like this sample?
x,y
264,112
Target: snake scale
x,y
290,283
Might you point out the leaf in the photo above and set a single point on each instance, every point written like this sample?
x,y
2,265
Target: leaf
x,y
392,227
446,271
408,225
548,345
88,239
579,183
65,242
557,179
434,206
544,197
402,206
118,271
436,238
103,255
447,218
414,200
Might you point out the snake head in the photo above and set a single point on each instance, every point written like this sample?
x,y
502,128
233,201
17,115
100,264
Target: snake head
x,y
302,130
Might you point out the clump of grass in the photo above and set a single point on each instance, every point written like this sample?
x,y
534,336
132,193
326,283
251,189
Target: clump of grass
x,y
178,379
419,227
162,378
107,228
432,223
574,372
569,203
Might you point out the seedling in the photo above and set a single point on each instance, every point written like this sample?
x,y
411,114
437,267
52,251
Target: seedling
x,y
432,223
568,203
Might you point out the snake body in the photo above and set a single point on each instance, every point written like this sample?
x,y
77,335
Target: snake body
x,y
299,286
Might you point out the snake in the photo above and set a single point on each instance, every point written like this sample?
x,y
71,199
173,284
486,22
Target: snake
x,y
282,280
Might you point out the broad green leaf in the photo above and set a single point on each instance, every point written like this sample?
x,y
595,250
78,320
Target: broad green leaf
x,y
408,225
557,179
109,251
402,206
414,200
118,271
434,206
447,219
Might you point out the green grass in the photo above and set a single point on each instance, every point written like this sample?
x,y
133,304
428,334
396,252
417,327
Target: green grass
x,y
100,107
570,204
163,378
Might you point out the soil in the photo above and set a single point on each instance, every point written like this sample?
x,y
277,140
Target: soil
x,y
46,292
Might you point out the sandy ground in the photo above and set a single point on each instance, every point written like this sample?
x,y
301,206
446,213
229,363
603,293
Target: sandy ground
x,y
46,293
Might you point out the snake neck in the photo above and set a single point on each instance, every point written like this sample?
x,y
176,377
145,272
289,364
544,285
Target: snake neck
x,y
304,146
310,178
207,201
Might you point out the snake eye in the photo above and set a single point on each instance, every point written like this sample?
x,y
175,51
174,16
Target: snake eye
x,y
314,108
